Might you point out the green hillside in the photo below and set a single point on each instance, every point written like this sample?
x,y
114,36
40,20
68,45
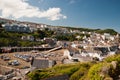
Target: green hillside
x,y
109,69
14,39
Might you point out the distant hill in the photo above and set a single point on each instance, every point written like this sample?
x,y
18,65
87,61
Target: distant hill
x,y
3,20
111,31
10,21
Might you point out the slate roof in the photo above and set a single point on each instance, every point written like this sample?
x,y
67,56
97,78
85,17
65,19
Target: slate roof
x,y
42,63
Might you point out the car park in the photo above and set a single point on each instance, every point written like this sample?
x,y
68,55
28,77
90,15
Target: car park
x,y
13,62
24,57
5,58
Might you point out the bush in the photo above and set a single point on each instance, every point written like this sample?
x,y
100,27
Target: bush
x,y
94,71
113,58
34,76
79,74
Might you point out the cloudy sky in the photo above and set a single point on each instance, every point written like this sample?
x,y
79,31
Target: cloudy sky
x,y
77,13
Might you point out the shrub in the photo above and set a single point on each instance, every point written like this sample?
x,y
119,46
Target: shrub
x,y
78,74
113,58
94,71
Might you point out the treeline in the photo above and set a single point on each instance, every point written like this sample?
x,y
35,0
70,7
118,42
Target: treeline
x,y
110,31
105,70
83,29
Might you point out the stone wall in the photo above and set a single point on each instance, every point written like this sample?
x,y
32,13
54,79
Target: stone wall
x,y
60,77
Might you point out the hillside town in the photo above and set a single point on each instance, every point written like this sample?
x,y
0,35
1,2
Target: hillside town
x,y
16,61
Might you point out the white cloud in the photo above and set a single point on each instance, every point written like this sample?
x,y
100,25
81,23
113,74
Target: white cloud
x,y
72,1
40,1
20,8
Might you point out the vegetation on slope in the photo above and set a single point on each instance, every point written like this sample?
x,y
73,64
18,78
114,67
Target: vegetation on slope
x,y
105,70
72,70
14,38
110,31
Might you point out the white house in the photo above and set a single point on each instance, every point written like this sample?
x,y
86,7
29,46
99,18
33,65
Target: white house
x,y
29,38
92,54
67,54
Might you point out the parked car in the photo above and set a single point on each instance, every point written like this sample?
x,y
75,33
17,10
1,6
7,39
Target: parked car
x,y
4,57
13,62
